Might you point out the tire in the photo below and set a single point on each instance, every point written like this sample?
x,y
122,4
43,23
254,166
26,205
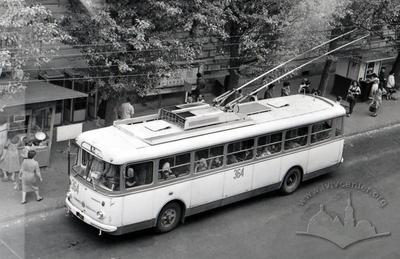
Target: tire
x,y
169,217
291,181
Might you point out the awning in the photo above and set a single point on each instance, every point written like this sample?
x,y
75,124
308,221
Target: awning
x,y
38,92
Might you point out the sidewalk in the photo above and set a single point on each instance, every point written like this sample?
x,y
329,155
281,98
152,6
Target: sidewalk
x,y
55,178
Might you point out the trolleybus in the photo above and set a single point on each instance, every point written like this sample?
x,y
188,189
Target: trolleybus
x,y
155,170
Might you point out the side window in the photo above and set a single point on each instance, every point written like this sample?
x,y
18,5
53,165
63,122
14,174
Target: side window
x,y
240,151
321,131
338,125
269,144
295,138
209,158
174,167
138,174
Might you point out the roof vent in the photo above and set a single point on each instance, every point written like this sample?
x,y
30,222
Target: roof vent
x,y
196,116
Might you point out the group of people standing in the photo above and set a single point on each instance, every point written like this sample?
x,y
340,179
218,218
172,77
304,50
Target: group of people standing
x,y
19,166
381,87
304,88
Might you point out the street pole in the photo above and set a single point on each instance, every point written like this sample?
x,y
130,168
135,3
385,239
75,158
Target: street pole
x,y
69,156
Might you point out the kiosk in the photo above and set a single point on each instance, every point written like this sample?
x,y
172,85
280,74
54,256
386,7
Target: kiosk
x,y
30,115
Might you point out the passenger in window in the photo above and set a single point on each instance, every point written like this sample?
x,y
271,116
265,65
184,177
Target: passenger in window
x,y
232,159
292,144
264,152
248,155
130,179
201,165
166,171
274,148
216,162
302,141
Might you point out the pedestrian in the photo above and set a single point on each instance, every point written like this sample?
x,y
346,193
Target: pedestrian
x,y
390,86
269,93
2,152
200,84
316,92
189,99
126,109
304,87
10,163
253,98
376,102
28,173
238,94
285,91
101,112
338,100
352,93
374,87
382,77
201,99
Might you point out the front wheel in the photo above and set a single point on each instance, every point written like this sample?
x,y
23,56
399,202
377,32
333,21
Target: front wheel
x,y
169,217
291,181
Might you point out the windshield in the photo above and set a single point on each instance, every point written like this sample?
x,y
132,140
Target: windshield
x,y
98,172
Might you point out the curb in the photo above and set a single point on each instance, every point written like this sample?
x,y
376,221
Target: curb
x,y
372,130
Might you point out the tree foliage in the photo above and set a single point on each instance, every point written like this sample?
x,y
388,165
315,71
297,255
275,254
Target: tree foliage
x,y
128,47
131,45
28,35
379,17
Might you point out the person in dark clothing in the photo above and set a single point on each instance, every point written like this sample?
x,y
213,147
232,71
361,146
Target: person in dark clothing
x,y
285,91
101,112
352,93
382,78
200,84
269,92
305,87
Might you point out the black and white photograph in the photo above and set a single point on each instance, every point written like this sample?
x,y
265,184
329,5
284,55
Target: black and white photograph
x,y
174,129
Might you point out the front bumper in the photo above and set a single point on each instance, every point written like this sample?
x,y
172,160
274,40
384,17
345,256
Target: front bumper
x,y
88,220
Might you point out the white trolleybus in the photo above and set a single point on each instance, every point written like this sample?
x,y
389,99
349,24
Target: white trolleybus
x,y
154,171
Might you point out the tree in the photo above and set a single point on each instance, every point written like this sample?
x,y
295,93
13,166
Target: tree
x,y
28,35
381,19
129,47
263,33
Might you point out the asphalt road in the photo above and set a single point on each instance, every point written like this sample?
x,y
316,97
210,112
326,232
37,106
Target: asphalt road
x,y
262,227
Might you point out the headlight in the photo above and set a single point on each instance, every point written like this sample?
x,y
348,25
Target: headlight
x,y
100,215
69,195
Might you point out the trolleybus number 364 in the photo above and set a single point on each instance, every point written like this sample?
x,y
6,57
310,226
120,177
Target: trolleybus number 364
x,y
239,172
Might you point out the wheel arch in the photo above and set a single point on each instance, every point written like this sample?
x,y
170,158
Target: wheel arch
x,y
181,204
287,171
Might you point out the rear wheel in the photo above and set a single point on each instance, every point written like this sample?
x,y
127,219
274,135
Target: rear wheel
x,y
169,217
291,181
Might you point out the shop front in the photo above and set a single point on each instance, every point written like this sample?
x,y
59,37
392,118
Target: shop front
x,y
31,116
